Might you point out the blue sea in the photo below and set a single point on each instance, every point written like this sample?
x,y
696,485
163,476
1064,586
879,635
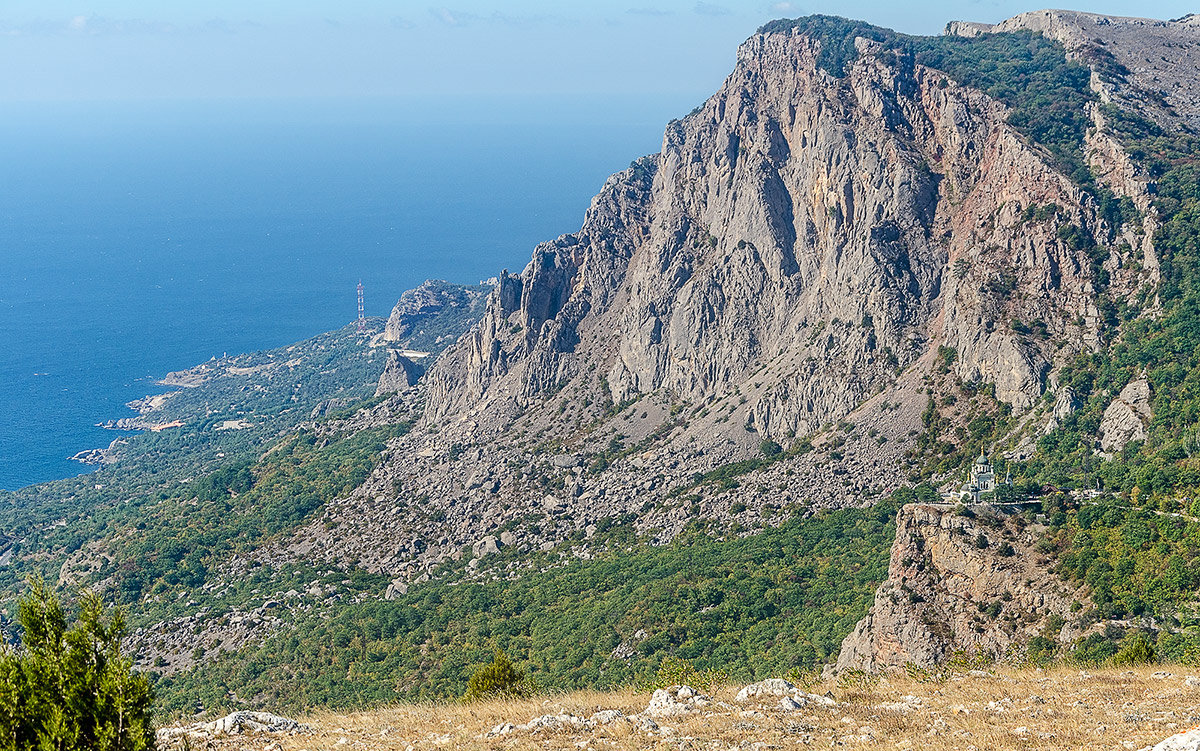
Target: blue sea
x,y
140,238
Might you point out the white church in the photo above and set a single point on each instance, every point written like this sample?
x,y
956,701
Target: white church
x,y
982,480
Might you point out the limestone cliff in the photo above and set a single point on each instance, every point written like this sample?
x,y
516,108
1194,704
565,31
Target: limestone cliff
x,y
972,582
1143,65
806,223
796,266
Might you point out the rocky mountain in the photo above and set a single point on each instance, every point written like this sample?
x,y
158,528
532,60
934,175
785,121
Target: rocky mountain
x,y
772,312
865,259
812,248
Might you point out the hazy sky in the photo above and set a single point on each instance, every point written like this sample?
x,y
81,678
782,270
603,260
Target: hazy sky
x,y
120,49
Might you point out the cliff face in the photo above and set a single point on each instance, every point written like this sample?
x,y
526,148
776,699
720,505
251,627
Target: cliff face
x,y
831,230
971,583
1141,65
806,250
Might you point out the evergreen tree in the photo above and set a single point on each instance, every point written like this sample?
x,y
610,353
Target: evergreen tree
x,y
500,678
71,689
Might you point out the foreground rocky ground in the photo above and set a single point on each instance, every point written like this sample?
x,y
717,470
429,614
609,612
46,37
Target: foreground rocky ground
x,y
1057,708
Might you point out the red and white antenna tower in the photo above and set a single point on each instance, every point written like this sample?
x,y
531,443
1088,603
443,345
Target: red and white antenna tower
x,y
362,323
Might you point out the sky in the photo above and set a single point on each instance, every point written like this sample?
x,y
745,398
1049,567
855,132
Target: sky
x,y
86,50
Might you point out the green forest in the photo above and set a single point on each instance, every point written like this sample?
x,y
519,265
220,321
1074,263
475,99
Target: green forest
x,y
765,604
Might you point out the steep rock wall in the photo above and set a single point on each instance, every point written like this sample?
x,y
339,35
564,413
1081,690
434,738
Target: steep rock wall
x,y
975,584
842,226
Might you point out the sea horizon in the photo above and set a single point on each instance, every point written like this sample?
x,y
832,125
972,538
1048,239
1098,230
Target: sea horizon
x,y
142,237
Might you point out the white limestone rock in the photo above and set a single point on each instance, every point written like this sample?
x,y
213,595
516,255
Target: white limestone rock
x,y
607,716
1126,417
1187,741
769,687
486,546
675,701
237,723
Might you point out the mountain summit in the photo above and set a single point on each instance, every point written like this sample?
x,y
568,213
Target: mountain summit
x,y
844,234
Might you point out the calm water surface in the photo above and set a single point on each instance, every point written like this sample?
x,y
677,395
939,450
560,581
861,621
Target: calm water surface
x,y
140,238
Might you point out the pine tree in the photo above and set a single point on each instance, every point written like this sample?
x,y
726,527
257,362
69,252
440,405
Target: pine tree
x,y
501,678
71,689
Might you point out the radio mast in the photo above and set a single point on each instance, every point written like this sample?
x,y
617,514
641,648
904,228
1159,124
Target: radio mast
x,y
362,322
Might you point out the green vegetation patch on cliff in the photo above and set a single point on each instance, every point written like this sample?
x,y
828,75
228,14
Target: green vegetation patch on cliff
x,y
1164,346
836,37
1138,557
1046,93
751,606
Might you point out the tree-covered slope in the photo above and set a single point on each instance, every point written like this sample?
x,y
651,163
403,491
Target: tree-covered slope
x,y
774,602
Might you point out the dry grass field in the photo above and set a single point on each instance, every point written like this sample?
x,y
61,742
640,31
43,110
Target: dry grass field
x,y
1056,708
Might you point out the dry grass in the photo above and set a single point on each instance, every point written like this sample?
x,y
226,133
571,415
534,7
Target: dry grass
x,y
1059,708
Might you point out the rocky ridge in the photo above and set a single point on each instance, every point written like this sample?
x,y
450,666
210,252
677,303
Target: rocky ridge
x,y
435,314
790,268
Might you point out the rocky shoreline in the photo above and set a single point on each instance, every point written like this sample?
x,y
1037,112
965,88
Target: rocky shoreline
x,y
100,456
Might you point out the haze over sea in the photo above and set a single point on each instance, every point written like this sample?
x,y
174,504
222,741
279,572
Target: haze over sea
x,y
140,238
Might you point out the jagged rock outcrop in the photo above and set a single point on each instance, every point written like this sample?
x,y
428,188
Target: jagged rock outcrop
x,y
959,582
1125,419
399,373
425,321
